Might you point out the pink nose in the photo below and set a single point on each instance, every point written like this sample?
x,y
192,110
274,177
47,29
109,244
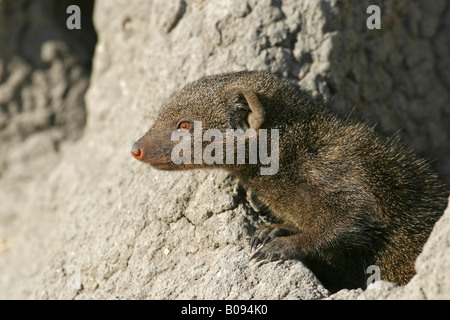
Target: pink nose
x,y
137,152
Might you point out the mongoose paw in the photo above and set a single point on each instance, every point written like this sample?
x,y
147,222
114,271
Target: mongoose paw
x,y
277,249
268,242
264,235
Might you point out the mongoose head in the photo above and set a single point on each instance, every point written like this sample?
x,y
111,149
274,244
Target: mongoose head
x,y
220,102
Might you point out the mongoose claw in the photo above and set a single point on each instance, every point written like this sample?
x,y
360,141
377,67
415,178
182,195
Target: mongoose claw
x,y
260,237
253,244
255,256
260,255
266,234
270,252
272,243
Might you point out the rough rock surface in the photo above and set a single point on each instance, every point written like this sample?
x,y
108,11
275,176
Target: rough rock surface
x,y
101,225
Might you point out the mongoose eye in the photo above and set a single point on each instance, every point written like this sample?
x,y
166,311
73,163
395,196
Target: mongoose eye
x,y
184,126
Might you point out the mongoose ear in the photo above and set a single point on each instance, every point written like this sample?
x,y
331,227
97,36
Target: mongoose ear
x,y
248,108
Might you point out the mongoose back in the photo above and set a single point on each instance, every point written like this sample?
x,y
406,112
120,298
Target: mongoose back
x,y
347,196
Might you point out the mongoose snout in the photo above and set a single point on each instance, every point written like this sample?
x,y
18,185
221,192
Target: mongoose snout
x,y
137,152
348,197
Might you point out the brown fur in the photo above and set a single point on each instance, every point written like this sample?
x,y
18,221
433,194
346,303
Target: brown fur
x,y
348,196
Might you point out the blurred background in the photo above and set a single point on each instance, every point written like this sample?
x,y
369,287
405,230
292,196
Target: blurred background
x,y
44,75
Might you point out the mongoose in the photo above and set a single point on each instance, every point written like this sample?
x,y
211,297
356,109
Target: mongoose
x,y
348,197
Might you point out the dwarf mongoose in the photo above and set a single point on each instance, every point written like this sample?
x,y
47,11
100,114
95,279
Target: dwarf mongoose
x,y
348,197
